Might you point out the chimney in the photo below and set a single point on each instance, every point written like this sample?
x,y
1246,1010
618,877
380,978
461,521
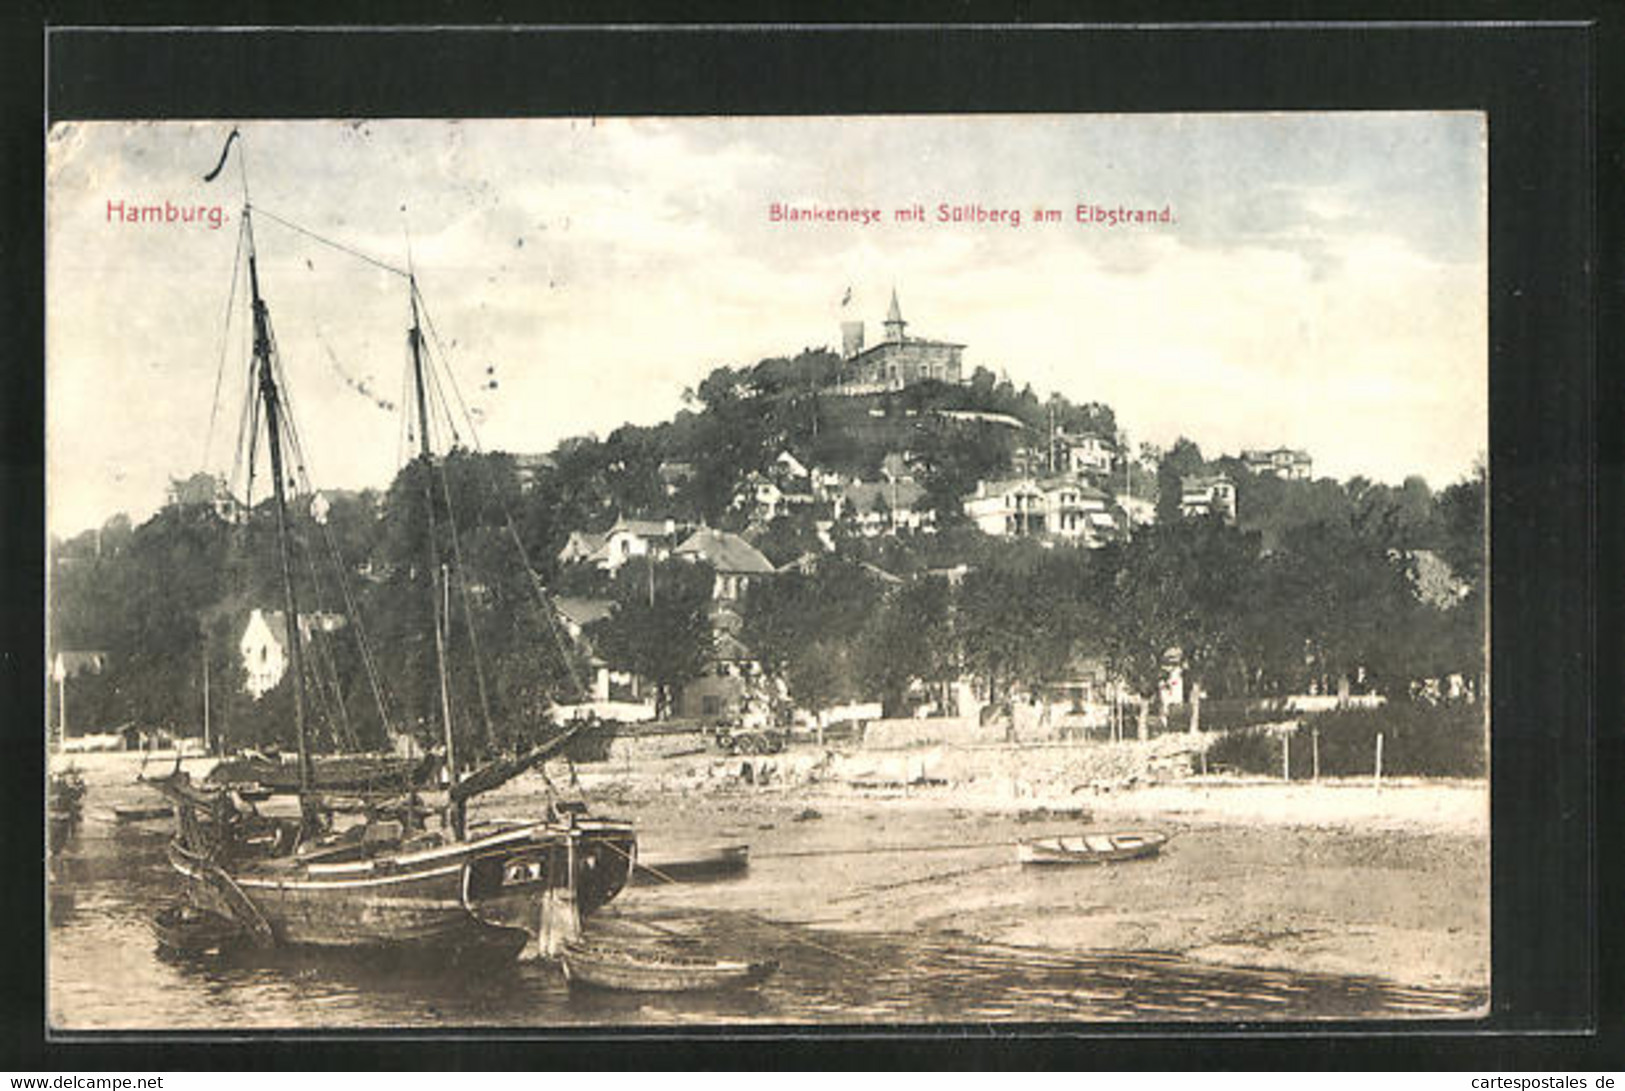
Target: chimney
x,y
851,339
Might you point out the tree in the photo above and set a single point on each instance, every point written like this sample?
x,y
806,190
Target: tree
x,y
663,634
1182,460
908,640
807,629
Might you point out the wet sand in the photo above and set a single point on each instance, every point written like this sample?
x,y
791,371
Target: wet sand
x,y
1331,877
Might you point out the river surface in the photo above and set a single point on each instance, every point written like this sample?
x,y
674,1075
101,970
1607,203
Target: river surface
x,y
105,973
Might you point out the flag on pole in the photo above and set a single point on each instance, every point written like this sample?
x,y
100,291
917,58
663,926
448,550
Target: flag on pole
x,y
224,151
847,298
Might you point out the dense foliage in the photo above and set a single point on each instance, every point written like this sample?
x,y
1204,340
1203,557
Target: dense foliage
x,y
1419,739
1318,581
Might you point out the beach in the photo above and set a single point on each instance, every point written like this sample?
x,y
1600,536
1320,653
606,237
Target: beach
x,y
1334,876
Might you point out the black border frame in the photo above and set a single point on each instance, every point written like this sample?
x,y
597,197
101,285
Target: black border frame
x,y
1537,82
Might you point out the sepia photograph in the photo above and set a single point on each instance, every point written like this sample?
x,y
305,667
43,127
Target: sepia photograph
x,y
885,570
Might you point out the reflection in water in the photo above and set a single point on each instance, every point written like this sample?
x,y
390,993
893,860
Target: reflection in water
x,y
105,972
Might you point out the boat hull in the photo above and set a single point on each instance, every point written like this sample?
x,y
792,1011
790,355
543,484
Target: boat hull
x,y
720,863
586,966
1093,848
497,891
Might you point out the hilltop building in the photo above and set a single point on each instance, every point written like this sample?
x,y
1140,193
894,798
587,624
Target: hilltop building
x,y
1282,462
899,360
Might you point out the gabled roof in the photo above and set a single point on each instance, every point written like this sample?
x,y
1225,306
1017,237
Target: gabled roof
x,y
276,623
1203,482
724,551
582,612
583,543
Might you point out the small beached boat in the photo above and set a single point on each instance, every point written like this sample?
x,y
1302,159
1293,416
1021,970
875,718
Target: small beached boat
x,y
647,970
127,813
185,929
694,867
1090,848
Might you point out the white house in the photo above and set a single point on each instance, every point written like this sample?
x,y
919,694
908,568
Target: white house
x,y
1088,453
264,649
1055,507
627,540
1283,462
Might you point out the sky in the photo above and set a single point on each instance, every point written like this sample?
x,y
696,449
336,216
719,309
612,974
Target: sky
x,y
1320,280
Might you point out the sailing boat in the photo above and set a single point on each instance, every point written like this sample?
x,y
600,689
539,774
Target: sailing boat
x,y
387,881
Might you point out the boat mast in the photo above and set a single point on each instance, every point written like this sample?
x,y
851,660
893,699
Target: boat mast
x,y
459,807
273,425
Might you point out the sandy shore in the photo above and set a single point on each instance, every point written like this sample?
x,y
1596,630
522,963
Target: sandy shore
x,y
1333,877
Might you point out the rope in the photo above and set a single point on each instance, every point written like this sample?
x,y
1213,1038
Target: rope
x,y
882,849
785,929
468,607
301,470
225,342
507,516
369,259
939,876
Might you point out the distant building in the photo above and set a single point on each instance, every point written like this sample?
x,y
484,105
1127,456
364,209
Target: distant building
x,y
1087,454
527,468
264,648
899,360
884,507
674,475
1212,494
1282,462
735,560
575,614
204,489
1060,507
627,540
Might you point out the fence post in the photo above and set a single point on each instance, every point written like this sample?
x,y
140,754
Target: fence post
x,y
1286,757
1376,781
1314,751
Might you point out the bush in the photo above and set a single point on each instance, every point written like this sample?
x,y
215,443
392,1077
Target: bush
x,y
1220,714
1419,740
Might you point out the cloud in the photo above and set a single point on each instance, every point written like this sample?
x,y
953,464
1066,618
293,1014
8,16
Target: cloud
x,y
1323,284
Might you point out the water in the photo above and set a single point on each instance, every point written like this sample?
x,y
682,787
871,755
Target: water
x,y
105,972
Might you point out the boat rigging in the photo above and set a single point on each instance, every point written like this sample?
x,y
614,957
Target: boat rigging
x,y
387,880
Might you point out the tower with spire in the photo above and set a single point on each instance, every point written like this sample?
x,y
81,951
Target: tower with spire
x,y
894,321
898,360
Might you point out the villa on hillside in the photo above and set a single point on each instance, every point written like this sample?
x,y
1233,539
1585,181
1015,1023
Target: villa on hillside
x,y
627,540
736,561
1059,507
1208,494
885,507
898,361
1282,462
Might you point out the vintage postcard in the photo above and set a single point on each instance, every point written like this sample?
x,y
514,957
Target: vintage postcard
x,y
879,570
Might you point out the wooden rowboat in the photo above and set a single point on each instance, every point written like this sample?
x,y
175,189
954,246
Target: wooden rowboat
x,y
646,970
717,863
1090,848
130,813
185,929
